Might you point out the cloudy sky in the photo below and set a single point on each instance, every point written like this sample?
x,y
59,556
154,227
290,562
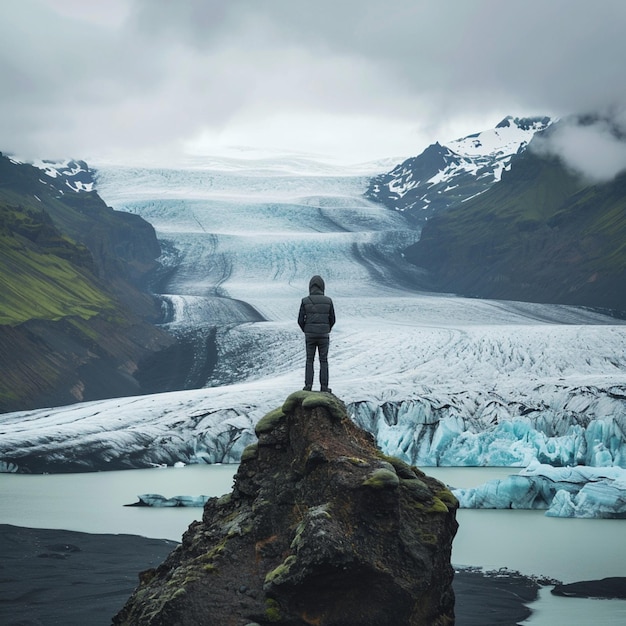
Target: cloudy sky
x,y
354,80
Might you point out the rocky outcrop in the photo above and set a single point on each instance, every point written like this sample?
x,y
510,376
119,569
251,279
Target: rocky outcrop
x,y
320,528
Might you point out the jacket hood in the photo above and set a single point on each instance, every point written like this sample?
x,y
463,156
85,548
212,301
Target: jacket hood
x,y
316,285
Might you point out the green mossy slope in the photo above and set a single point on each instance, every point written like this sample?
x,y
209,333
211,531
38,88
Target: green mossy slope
x,y
542,234
73,319
36,285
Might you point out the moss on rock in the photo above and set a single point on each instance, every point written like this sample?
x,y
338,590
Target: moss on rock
x,y
438,506
448,498
314,399
417,487
269,421
250,452
402,469
382,479
272,610
293,400
334,406
357,461
279,574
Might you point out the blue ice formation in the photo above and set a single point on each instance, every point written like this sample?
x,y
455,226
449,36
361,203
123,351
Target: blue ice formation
x,y
559,427
588,492
157,500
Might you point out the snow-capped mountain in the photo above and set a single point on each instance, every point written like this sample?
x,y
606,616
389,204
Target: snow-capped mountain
x,y
65,175
75,175
544,233
447,175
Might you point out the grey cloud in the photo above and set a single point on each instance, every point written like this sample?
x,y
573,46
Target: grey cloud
x,y
594,148
559,56
197,24
74,88
173,69
544,51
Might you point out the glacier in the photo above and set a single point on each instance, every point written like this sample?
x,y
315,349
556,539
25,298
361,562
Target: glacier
x,y
584,492
438,379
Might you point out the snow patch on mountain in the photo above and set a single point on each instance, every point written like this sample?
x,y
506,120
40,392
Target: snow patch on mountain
x,y
488,153
74,175
505,140
444,175
64,175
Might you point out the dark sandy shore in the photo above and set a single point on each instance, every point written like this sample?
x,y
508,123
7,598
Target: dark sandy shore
x,y
75,579
50,577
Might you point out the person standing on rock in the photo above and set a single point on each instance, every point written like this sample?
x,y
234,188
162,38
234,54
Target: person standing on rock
x,y
316,319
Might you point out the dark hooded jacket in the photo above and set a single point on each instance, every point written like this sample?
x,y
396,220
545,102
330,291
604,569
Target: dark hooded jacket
x,y
317,313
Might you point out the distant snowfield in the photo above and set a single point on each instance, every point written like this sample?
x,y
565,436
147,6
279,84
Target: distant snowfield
x,y
438,379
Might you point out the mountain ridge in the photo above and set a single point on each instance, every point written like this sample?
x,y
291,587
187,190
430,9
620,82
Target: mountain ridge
x,y
75,321
443,176
542,234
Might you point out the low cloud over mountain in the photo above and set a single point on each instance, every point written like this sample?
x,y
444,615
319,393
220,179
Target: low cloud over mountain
x,y
594,146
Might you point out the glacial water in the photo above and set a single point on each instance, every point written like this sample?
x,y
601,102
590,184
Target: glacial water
x,y
565,549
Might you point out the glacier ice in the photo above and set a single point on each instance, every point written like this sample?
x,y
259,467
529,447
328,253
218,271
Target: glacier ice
x,y
555,426
433,426
159,501
587,492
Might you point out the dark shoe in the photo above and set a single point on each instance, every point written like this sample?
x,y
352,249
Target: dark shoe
x,y
306,388
326,390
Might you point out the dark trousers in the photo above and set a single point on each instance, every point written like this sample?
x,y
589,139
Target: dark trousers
x,y
319,343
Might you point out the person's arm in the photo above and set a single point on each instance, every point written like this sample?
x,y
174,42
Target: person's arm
x,y
331,315
302,316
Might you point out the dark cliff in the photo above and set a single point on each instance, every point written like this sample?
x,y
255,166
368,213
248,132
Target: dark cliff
x,y
320,528
75,320
542,234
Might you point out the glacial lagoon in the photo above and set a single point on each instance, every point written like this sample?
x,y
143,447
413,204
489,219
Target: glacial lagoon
x,y
528,541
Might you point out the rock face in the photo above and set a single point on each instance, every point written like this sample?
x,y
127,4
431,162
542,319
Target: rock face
x,y
321,528
542,234
76,322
